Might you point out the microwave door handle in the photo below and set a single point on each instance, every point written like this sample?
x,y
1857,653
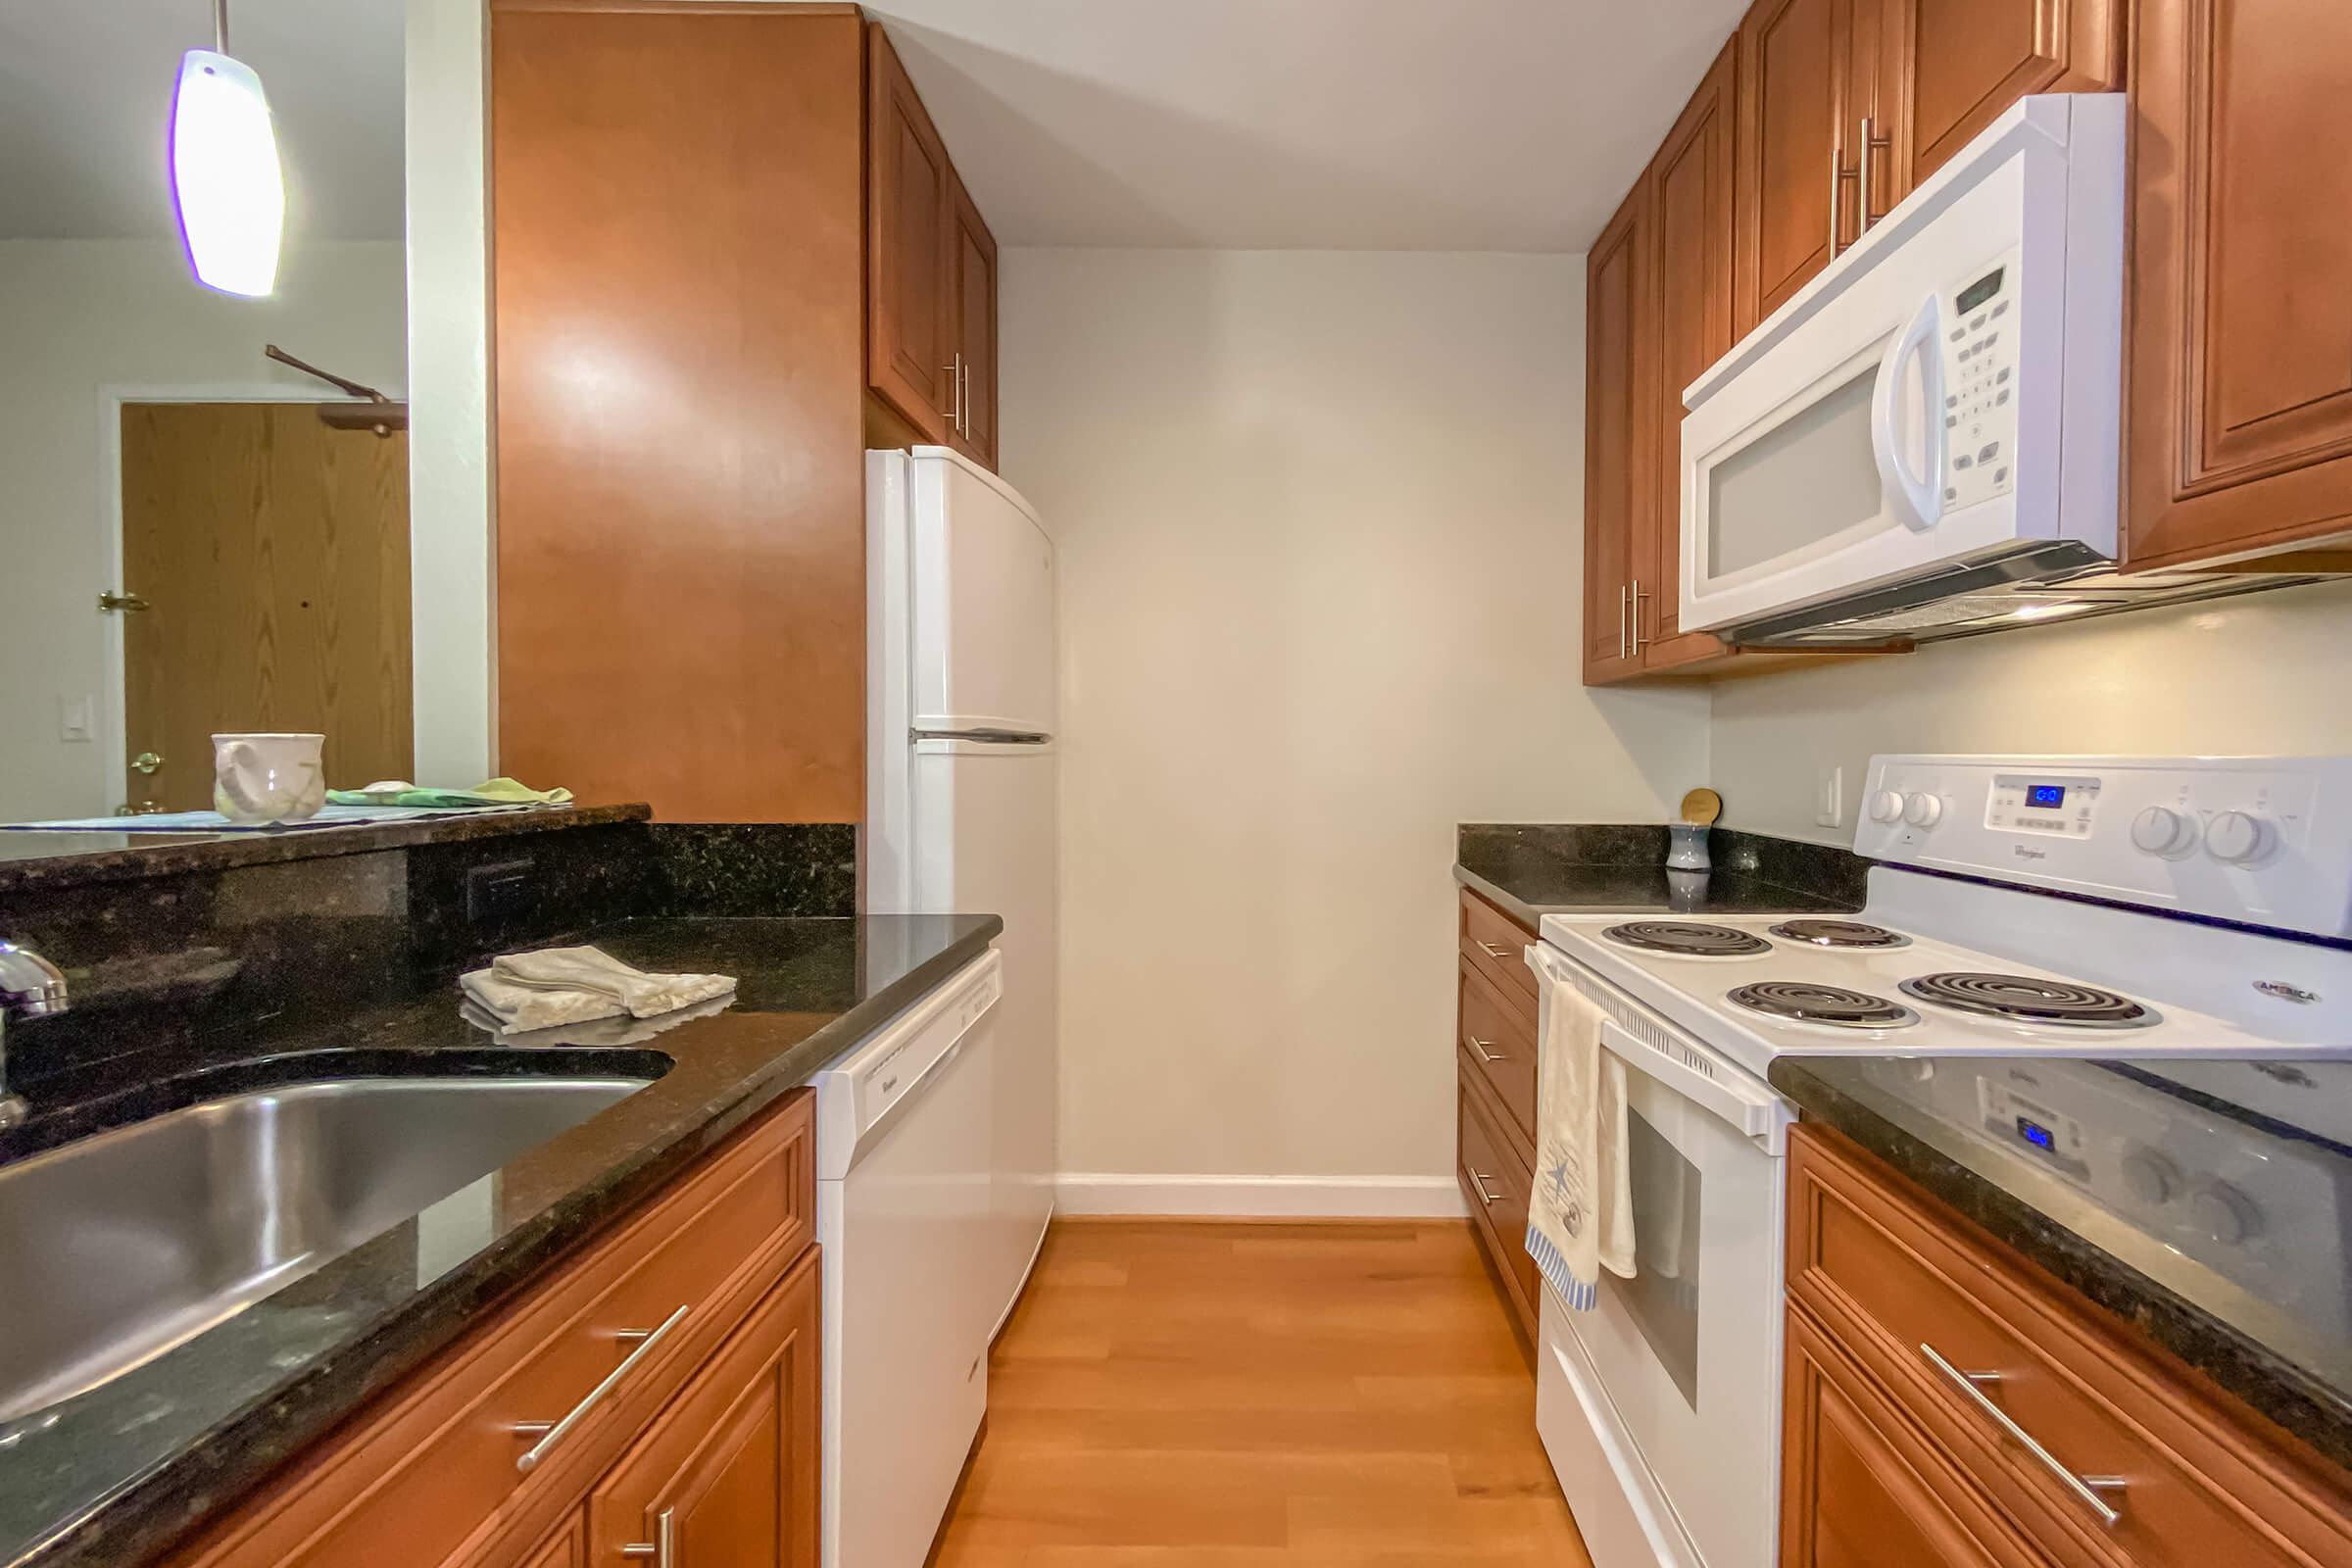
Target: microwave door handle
x,y
1918,496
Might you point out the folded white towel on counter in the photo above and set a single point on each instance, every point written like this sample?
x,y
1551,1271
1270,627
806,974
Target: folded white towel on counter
x,y
554,986
614,1029
1580,1217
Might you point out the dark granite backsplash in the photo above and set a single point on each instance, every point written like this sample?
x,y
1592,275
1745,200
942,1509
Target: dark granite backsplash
x,y
1531,866
164,967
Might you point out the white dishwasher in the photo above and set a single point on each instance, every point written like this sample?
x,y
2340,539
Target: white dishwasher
x,y
903,1146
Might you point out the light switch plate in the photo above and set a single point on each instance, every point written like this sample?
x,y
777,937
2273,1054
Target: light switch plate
x,y
1829,795
73,720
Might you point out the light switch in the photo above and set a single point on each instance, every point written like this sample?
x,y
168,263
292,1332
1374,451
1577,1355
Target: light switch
x,y
1829,795
73,719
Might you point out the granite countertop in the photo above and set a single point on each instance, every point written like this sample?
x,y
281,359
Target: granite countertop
x,y
1529,871
2268,1318
30,860
116,1475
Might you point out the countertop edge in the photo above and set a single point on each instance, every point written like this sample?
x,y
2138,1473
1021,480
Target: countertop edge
x,y
117,1530
2304,1409
1531,916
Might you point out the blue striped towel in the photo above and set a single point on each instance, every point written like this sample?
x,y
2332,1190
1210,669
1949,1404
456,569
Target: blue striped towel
x,y
1580,1218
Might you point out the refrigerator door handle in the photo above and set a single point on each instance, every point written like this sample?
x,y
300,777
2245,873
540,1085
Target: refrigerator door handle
x,y
995,737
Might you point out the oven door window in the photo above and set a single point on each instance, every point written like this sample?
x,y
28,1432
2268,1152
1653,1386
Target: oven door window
x,y
1662,1297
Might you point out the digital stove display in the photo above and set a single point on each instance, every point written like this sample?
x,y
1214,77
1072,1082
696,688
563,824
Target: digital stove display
x,y
2050,796
2035,1133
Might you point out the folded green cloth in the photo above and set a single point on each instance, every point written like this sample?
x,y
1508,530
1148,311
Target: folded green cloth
x,y
490,792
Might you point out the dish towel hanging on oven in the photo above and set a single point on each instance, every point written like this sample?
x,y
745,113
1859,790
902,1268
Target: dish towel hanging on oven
x,y
1580,1217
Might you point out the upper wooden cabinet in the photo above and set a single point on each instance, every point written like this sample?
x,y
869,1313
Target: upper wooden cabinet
x,y
931,272
1953,65
1620,426
2238,332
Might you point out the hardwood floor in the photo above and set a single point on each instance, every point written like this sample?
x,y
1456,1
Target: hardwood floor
x,y
1232,1396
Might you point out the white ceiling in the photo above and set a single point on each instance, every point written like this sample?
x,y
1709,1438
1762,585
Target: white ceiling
x,y
1372,124
85,95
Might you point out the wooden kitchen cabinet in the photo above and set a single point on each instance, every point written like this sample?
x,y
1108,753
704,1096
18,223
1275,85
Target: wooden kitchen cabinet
x,y
1620,466
566,1547
972,315
1950,67
909,341
1495,1095
2238,296
1882,1282
727,1475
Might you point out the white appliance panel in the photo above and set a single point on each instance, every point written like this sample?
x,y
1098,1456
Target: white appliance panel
x,y
903,1203
983,602
1946,390
984,840
1621,1513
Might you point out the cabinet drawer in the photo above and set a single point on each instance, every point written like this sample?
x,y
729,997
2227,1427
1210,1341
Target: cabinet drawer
x,y
1927,1307
729,1471
1499,1042
1497,1184
1494,941
437,1472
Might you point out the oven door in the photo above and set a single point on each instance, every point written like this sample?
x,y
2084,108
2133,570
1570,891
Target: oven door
x,y
1686,1353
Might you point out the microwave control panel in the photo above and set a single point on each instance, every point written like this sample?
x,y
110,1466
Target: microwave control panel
x,y
1979,324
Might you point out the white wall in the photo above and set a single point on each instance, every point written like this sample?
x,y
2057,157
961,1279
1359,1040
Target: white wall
x,y
2266,672
1319,519
80,315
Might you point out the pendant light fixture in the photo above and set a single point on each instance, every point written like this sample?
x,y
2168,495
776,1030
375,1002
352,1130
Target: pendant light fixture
x,y
225,183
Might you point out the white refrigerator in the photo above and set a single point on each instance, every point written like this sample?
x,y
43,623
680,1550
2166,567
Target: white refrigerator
x,y
962,676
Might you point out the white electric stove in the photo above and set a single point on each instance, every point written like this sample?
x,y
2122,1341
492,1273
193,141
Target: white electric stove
x,y
2186,916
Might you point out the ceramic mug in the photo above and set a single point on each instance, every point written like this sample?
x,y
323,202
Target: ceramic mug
x,y
267,778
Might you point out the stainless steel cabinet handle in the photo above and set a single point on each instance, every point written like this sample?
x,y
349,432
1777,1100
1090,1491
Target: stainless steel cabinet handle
x,y
956,386
1483,1055
1871,142
1625,603
2085,1487
1479,1178
1639,641
963,398
665,1535
551,1432
1491,950
1838,175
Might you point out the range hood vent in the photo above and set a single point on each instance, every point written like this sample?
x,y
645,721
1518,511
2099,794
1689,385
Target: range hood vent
x,y
2030,584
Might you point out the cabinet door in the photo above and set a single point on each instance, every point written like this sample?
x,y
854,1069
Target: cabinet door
x,y
1620,424
1788,195
2238,313
1952,66
1691,205
972,308
727,1475
566,1547
910,354
1862,1488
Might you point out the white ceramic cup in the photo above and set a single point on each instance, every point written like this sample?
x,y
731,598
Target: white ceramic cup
x,y
267,778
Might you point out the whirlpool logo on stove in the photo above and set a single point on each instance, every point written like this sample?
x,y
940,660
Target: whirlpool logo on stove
x,y
2025,854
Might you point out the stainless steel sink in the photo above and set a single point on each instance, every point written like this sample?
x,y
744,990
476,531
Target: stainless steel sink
x,y
119,1246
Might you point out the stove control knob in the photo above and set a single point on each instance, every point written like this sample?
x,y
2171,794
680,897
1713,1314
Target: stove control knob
x,y
1885,807
2238,838
2150,1177
2161,830
2223,1212
1922,810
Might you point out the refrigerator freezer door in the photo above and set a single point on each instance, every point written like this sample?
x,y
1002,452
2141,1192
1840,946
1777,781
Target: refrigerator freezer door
x,y
984,843
982,625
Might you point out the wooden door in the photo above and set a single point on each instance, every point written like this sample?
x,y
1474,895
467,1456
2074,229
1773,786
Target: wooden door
x,y
909,343
273,551
2239,326
565,1548
1788,197
680,358
1862,1488
727,1475
1620,420
1952,66
972,307
1691,200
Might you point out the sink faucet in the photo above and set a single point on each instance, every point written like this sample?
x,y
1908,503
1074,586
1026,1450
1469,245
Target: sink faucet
x,y
31,987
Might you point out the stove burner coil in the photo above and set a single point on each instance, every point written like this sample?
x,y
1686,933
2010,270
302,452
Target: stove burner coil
x,y
2022,998
1841,934
1800,1002
1686,940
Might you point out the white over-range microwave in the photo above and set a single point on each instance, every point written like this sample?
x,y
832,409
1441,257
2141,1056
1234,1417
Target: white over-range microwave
x,y
1925,436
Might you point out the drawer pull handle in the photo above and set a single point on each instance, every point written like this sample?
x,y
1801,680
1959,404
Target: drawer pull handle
x,y
2085,1487
1491,950
665,1537
1483,1055
551,1432
1479,1177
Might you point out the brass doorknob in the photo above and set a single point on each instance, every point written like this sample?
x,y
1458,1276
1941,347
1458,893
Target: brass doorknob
x,y
146,762
121,604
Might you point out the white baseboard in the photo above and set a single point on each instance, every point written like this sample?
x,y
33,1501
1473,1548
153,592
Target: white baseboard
x,y
1260,1196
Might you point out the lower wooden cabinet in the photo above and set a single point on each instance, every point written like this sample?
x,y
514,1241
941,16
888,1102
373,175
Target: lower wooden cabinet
x,y
518,1447
1923,1356
1495,1095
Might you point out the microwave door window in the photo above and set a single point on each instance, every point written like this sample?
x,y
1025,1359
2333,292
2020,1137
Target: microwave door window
x,y
1662,1297
1801,483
